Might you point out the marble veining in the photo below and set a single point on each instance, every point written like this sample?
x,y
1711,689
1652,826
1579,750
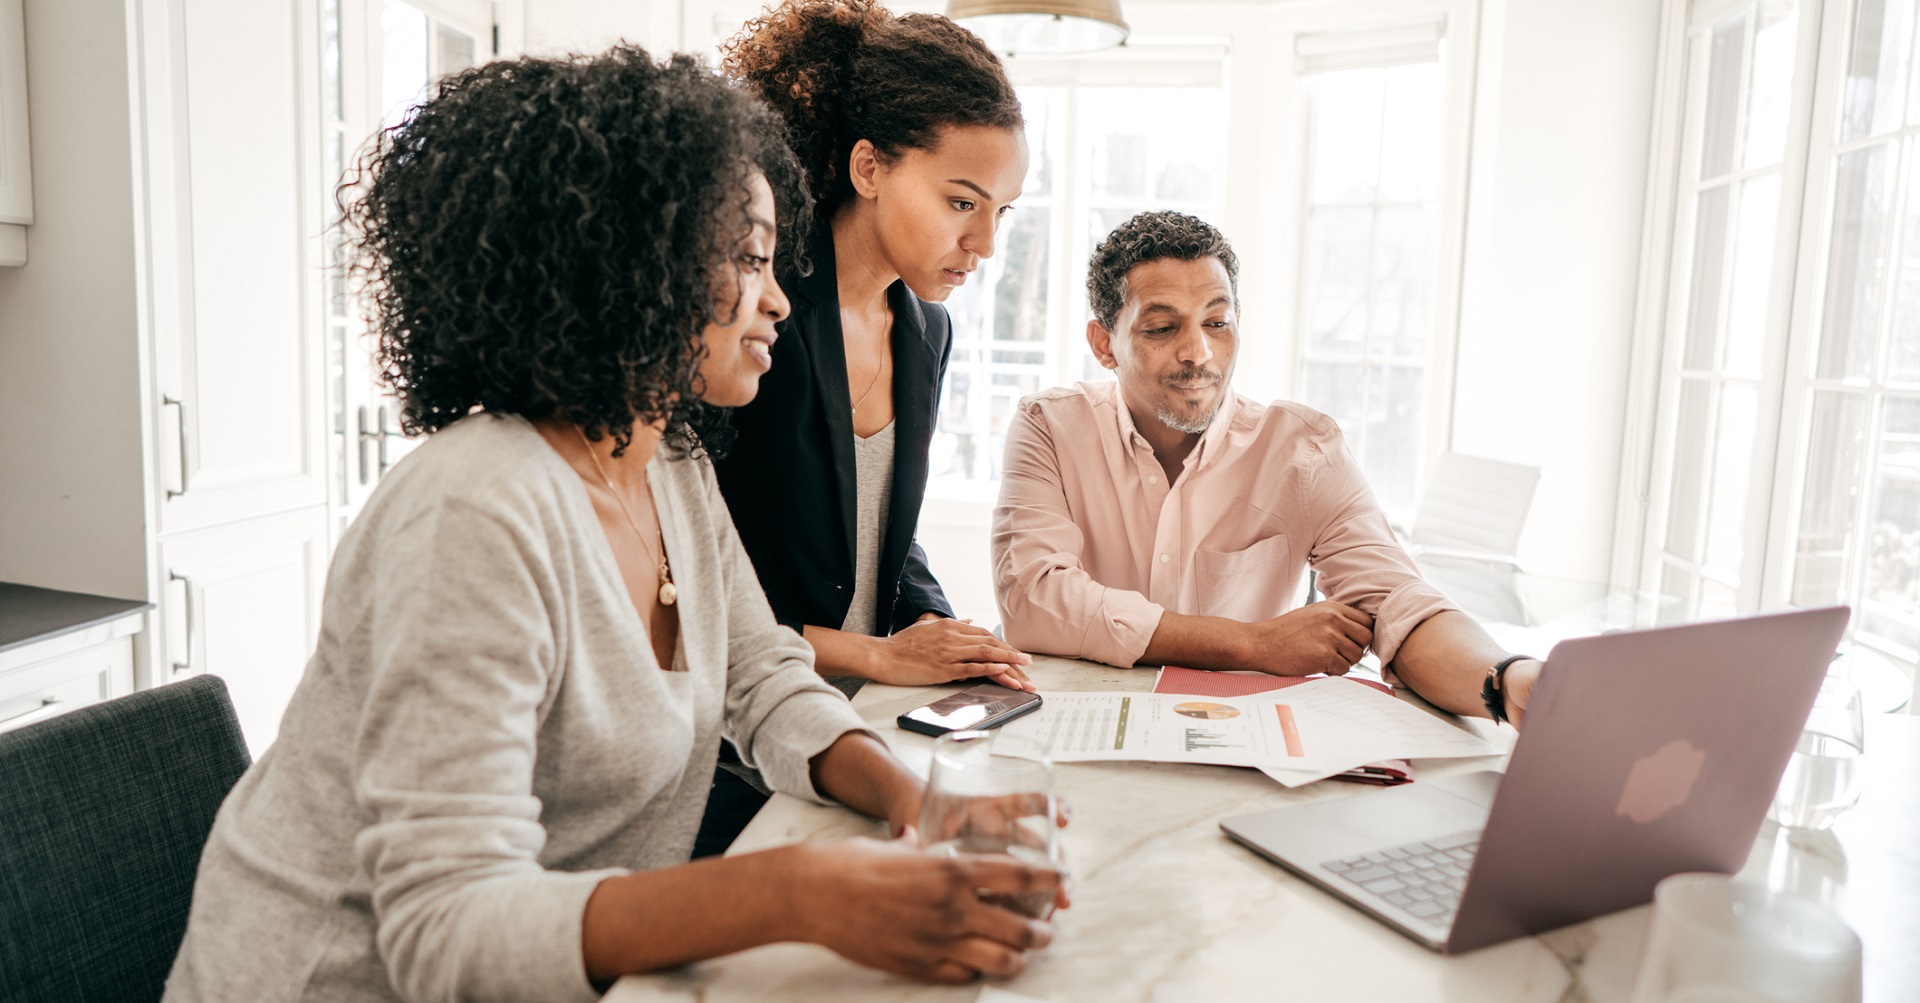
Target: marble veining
x,y
1167,908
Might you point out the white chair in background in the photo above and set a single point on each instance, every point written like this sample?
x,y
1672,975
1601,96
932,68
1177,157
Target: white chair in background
x,y
1473,510
1466,534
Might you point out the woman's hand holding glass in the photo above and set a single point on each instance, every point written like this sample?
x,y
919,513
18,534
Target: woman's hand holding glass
x,y
984,799
940,649
893,906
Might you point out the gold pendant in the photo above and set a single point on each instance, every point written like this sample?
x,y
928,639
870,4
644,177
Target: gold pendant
x,y
668,594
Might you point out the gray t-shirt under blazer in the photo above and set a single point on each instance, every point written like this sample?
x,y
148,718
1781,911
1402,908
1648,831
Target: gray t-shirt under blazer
x,y
483,735
873,483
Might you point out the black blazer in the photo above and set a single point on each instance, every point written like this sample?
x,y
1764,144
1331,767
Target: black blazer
x,y
789,476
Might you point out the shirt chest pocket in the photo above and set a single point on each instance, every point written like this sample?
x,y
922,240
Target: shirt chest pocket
x,y
1256,582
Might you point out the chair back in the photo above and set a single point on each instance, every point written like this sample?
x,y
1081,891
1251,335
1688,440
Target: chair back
x,y
103,814
1474,506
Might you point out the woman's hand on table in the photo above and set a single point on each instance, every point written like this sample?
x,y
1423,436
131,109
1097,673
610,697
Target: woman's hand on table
x,y
939,649
890,906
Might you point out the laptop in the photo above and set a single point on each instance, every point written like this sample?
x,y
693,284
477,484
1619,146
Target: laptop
x,y
1645,754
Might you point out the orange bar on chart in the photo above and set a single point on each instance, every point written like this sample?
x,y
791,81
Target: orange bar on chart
x,y
1290,730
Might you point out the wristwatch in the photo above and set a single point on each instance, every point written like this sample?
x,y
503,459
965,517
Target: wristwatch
x,y
1493,692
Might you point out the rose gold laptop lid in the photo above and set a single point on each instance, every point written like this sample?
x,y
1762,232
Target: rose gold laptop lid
x,y
1644,754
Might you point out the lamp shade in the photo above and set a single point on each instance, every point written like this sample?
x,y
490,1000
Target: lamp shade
x,y
1042,26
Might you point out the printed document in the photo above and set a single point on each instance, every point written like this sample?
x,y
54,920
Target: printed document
x,y
1296,735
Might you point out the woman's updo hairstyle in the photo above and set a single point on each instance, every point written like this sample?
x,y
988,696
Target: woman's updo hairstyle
x,y
840,71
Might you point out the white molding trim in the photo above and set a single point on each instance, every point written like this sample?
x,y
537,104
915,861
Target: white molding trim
x,y
1638,450
16,159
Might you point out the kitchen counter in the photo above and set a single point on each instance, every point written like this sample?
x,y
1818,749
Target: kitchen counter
x,y
29,615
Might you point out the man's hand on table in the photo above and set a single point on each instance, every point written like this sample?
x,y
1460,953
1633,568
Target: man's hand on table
x,y
1521,678
890,906
1326,636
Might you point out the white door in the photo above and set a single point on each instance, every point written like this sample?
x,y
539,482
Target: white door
x,y
233,127
389,52
242,601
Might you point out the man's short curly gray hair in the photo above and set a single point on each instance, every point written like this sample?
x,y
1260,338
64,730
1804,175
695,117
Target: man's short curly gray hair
x,y
1151,236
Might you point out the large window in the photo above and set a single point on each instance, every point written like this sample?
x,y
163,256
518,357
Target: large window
x,y
1787,445
1100,154
1370,208
1727,315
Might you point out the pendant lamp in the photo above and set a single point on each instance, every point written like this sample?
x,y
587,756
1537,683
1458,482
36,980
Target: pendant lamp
x,y
1042,27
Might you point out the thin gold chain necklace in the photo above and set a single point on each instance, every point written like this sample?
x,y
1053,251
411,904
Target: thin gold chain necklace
x,y
668,593
877,370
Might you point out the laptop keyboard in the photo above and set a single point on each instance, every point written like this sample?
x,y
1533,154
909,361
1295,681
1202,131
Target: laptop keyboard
x,y
1423,878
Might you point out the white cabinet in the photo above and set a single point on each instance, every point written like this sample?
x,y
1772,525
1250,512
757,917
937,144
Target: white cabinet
x,y
237,413
242,601
48,678
16,165
233,135
161,353
168,352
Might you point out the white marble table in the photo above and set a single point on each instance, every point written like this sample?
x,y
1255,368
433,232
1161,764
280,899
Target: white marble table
x,y
1167,908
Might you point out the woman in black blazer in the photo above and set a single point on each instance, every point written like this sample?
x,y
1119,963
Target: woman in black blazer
x,y
914,145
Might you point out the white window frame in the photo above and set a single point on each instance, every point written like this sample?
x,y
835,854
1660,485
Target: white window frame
x,y
1359,36
1266,176
1650,440
1783,448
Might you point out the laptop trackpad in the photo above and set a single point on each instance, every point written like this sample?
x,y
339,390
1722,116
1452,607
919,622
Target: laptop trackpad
x,y
1411,813
1305,836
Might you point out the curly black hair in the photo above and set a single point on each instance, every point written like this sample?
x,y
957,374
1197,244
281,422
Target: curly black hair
x,y
840,71
1151,236
548,237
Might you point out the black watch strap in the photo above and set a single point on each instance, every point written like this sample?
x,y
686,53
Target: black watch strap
x,y
1493,692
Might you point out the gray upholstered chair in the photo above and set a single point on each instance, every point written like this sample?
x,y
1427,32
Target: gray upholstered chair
x,y
103,813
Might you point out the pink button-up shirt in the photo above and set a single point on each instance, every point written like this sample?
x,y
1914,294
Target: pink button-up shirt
x,y
1091,545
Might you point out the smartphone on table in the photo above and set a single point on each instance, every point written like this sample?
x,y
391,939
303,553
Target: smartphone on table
x,y
987,705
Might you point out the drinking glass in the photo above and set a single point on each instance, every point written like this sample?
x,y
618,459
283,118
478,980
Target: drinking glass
x,y
1717,940
1823,777
986,799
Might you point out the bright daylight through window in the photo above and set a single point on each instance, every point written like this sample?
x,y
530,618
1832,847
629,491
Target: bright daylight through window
x,y
1099,155
1788,441
1366,320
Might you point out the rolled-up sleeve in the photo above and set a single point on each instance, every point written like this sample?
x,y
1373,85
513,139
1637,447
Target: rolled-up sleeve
x,y
780,714
1361,563
443,760
1048,603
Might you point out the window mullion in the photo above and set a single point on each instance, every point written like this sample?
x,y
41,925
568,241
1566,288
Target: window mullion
x,y
1670,333
1813,161
1764,552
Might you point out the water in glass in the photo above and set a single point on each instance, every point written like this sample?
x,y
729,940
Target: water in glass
x,y
984,800
1823,779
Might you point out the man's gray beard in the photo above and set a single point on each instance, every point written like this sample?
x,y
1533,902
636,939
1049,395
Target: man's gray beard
x,y
1191,426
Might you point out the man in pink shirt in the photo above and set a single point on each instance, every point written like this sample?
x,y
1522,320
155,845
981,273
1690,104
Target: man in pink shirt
x,y
1163,519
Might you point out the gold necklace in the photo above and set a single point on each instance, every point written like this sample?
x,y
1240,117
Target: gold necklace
x,y
873,382
668,593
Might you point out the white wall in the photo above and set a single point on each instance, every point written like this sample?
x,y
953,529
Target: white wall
x,y
1562,123
557,27
69,349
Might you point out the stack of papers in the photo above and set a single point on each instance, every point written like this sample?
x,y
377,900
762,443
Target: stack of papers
x,y
1296,735
1199,682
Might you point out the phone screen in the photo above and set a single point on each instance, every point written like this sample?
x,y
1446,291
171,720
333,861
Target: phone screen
x,y
973,707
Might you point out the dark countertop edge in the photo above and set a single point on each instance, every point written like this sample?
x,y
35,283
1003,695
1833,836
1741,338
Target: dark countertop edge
x,y
92,611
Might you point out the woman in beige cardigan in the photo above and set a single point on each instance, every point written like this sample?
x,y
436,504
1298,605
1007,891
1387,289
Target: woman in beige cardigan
x,y
540,627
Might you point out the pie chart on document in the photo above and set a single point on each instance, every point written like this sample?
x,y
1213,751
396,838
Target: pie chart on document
x,y
1205,711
